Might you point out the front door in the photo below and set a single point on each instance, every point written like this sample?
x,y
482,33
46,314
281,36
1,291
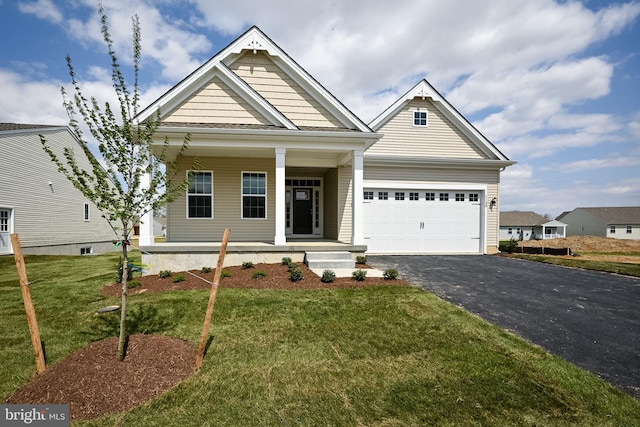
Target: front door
x,y
5,231
302,211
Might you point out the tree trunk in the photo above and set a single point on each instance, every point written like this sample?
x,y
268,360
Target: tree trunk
x,y
123,307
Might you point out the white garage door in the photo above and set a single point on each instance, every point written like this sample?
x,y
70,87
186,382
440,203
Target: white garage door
x,y
425,221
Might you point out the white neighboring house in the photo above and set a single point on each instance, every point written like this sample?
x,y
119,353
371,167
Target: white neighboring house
x,y
38,202
527,225
615,222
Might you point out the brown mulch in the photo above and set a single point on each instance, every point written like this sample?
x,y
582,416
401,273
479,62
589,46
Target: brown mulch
x,y
94,383
277,277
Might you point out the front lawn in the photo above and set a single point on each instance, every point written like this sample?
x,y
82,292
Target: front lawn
x,y
384,355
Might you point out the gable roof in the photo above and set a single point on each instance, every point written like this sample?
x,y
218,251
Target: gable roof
x,y
424,90
219,66
525,219
6,127
612,215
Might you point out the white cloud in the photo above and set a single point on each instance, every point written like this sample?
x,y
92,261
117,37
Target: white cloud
x,y
43,9
592,164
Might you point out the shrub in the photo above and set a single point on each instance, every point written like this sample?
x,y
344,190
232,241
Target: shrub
x,y
295,273
134,284
361,259
247,264
512,245
258,274
225,273
359,275
164,274
390,274
207,269
328,276
286,261
178,278
119,272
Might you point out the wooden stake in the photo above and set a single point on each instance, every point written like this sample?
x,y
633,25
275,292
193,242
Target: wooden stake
x,y
212,299
28,304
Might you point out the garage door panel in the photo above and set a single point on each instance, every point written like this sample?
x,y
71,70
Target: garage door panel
x,y
422,226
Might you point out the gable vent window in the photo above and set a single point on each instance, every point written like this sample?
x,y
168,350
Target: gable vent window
x,y
421,118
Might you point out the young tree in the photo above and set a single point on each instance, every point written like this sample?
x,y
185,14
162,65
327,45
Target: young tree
x,y
128,182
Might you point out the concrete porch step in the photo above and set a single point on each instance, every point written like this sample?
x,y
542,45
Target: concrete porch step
x,y
329,260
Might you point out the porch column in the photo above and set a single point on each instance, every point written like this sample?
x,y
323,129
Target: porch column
x,y
280,238
357,237
146,222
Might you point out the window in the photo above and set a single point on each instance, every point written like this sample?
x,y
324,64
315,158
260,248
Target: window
x,y
444,197
612,229
399,195
510,230
430,196
420,118
4,220
200,195
473,197
87,212
86,250
459,197
413,196
383,195
368,195
254,195
629,229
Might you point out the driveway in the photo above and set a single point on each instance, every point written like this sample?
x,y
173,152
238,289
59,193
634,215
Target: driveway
x,y
587,317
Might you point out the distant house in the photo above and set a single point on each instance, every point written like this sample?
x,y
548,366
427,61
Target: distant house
x,y
616,222
38,202
527,225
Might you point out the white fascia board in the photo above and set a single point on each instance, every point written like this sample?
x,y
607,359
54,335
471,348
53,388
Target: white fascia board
x,y
394,161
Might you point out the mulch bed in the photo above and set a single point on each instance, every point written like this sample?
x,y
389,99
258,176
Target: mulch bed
x,y
94,383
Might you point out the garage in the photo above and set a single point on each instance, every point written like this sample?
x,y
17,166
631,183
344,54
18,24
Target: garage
x,y
422,221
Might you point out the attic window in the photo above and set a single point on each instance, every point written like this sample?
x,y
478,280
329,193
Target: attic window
x,y
420,118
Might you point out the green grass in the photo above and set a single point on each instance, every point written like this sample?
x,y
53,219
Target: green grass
x,y
608,266
371,356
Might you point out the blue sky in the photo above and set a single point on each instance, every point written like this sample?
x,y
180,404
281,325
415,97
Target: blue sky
x,y
555,85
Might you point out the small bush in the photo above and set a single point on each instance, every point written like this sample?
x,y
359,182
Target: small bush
x,y
225,273
361,259
512,245
295,273
328,276
164,274
178,278
207,269
259,273
359,275
390,274
286,261
134,284
247,264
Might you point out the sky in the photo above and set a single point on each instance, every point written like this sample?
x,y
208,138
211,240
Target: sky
x,y
555,85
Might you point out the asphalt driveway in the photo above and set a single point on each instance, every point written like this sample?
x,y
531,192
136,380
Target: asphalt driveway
x,y
587,317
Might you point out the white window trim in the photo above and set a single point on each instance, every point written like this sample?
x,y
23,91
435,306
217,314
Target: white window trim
x,y
266,193
413,118
199,194
86,212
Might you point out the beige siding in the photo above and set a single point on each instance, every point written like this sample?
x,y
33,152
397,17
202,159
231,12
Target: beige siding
x,y
331,204
216,103
439,139
227,203
265,77
345,203
46,215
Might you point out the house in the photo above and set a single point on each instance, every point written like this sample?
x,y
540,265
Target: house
x,y
38,202
289,169
527,225
615,222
